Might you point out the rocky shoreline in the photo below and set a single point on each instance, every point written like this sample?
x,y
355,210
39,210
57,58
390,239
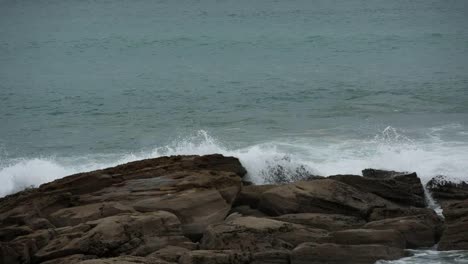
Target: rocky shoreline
x,y
200,209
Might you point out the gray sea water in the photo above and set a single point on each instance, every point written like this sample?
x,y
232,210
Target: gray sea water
x,y
330,86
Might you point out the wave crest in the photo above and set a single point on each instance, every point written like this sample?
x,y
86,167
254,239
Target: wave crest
x,y
276,161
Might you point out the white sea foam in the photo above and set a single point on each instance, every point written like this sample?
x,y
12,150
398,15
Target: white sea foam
x,y
388,150
431,257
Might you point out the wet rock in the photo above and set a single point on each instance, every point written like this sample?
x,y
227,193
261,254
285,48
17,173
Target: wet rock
x,y
284,171
443,189
311,253
320,196
257,234
402,188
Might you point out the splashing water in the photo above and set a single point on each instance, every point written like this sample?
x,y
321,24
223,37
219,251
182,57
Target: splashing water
x,y
291,160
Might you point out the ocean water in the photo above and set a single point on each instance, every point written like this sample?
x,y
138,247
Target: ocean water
x,y
322,86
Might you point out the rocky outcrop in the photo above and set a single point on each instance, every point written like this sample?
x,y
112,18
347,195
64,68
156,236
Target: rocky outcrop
x,y
453,198
201,209
402,188
443,189
320,196
132,209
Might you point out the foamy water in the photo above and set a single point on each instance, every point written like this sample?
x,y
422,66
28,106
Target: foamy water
x,y
388,150
432,257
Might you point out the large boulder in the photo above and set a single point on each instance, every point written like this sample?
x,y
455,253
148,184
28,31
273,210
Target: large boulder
x,y
109,212
320,196
402,188
257,234
313,253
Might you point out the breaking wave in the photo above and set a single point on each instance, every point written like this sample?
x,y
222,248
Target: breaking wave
x,y
279,160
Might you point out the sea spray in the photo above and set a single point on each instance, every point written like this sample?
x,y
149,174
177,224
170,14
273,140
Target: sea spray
x,y
291,159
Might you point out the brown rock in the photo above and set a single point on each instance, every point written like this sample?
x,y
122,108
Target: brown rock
x,y
385,213
257,234
197,208
455,235
331,222
404,189
390,238
418,230
136,234
81,214
73,210
311,253
320,196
